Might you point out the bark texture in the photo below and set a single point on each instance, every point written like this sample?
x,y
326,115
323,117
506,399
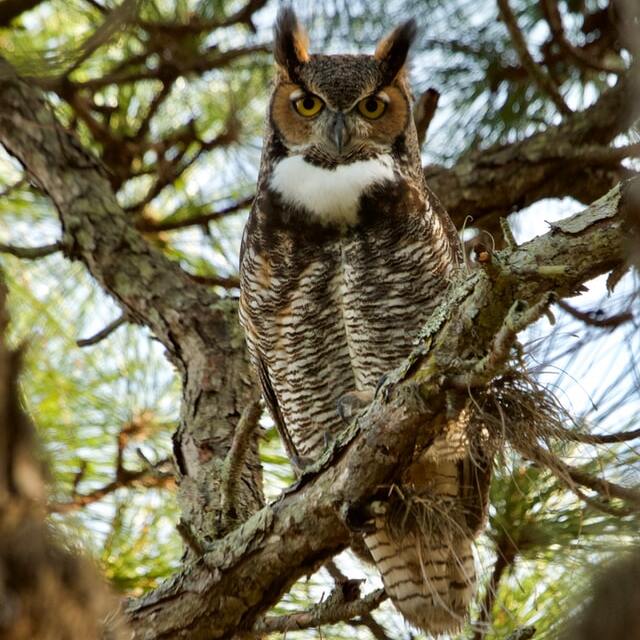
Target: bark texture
x,y
198,330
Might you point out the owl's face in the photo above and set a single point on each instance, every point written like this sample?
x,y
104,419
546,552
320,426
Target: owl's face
x,y
339,109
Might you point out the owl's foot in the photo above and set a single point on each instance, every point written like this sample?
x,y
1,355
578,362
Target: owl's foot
x,y
350,404
361,519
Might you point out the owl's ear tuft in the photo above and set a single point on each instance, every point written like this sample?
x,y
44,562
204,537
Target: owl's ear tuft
x,y
392,50
291,48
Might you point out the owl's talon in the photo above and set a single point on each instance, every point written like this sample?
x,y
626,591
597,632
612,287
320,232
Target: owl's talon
x,y
300,464
361,519
350,404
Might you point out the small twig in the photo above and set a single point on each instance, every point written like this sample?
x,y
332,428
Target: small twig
x,y
234,461
524,633
228,282
376,629
77,478
509,238
423,113
12,187
140,478
151,226
609,438
540,77
593,320
506,554
103,333
30,253
518,318
331,611
570,477
335,572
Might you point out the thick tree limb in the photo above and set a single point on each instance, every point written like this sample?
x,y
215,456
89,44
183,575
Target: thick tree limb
x,y
199,331
492,183
305,527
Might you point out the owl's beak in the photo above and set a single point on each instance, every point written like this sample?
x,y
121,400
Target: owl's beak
x,y
339,133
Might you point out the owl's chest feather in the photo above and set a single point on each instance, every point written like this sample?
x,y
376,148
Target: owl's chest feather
x,y
331,196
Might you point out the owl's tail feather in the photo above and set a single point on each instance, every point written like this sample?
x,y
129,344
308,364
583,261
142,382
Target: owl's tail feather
x,y
430,584
423,546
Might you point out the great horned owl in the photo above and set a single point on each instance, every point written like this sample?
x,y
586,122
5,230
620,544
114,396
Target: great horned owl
x,y
345,255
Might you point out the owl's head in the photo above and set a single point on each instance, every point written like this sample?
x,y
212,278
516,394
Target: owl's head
x,y
338,109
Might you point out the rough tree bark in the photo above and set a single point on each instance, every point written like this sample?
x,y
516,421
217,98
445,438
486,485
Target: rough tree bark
x,y
234,574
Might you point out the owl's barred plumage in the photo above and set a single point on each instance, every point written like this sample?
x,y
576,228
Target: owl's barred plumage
x,y
345,255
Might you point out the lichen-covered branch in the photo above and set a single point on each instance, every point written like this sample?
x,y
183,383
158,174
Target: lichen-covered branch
x,y
307,525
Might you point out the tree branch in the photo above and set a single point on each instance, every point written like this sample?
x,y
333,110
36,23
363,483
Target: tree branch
x,y
332,610
31,253
220,593
145,478
154,226
554,19
506,553
423,113
540,77
199,330
235,462
560,161
11,9
103,333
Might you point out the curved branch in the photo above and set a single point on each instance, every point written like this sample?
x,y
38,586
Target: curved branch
x,y
198,329
31,253
103,333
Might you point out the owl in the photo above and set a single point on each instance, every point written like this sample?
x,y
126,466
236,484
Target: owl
x,y
345,254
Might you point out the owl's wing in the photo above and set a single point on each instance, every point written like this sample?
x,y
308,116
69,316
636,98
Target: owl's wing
x,y
271,399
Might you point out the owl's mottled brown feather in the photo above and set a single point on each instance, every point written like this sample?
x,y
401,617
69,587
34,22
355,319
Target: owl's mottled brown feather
x,y
333,299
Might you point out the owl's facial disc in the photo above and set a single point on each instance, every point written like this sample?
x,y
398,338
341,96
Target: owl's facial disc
x,y
339,109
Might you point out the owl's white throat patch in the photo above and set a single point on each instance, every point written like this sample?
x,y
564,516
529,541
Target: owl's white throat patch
x,y
330,195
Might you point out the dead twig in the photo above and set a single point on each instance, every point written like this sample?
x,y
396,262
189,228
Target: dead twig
x,y
151,226
331,611
103,333
30,253
594,319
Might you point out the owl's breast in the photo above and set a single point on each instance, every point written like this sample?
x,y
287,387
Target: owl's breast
x,y
330,196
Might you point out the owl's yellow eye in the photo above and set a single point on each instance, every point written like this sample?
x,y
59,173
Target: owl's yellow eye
x,y
372,107
308,106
